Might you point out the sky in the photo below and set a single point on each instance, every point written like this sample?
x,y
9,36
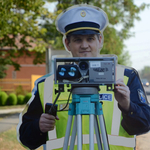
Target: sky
x,y
138,46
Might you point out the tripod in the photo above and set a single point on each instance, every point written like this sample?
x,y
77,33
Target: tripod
x,y
85,101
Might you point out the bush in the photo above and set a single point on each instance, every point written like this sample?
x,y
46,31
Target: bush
x,y
27,97
3,98
20,99
19,90
12,99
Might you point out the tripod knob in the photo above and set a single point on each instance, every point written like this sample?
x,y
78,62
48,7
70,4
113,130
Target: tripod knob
x,y
101,102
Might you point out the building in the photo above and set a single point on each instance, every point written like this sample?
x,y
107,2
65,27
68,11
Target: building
x,y
28,73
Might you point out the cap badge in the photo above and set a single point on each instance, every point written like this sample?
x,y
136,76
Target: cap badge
x,y
83,13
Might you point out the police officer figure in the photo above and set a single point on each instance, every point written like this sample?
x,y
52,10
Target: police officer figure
x,y
82,27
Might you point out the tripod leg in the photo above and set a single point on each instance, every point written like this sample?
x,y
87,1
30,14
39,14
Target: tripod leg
x,y
74,131
67,135
97,132
103,131
79,132
91,134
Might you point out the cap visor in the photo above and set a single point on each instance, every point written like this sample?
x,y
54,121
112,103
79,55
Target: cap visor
x,y
83,32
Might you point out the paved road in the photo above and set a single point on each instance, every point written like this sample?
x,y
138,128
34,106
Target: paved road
x,y
8,122
147,90
9,118
148,97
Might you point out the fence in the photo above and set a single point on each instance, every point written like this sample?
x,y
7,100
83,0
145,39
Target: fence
x,y
10,85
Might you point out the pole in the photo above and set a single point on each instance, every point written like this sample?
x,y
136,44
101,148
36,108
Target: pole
x,y
48,60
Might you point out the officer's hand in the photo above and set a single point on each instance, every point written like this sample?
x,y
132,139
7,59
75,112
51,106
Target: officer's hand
x,y
122,94
47,122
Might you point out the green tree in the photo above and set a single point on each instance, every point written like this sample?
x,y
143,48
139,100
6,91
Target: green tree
x,y
20,29
2,71
145,73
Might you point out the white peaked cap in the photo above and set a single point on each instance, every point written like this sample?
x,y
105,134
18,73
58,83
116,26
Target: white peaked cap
x,y
82,19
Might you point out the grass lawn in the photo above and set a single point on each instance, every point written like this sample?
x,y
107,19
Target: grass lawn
x,y
8,141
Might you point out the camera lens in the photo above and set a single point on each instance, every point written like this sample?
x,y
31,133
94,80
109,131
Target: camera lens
x,y
83,65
